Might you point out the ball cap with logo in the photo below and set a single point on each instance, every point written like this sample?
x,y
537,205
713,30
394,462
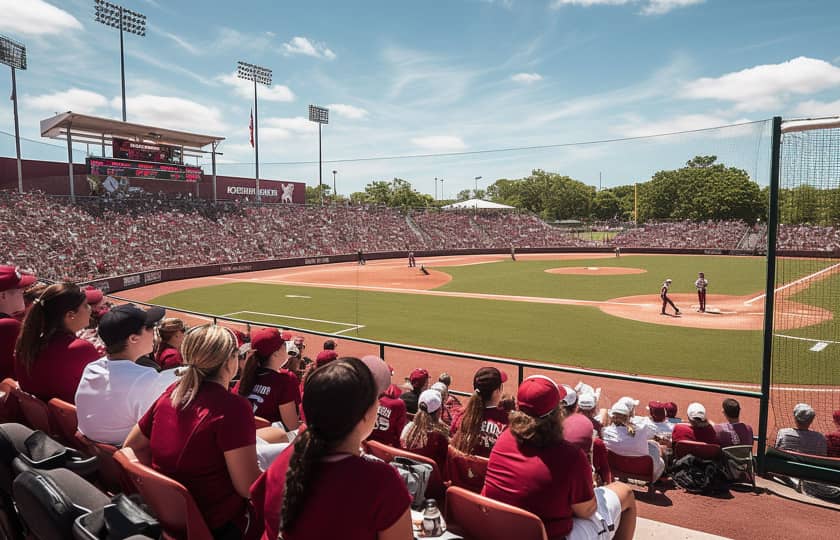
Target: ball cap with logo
x,y
266,341
125,320
539,396
12,278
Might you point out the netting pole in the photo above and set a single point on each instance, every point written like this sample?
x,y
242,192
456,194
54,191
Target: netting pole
x,y
769,290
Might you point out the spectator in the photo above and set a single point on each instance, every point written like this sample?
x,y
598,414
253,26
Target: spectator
x,y
330,345
733,432
426,434
31,293
625,438
325,469
391,417
671,412
49,358
114,391
325,357
12,285
170,334
533,468
203,436
451,404
274,392
476,429
802,438
578,431
98,308
588,407
419,380
660,419
698,428
833,439
569,400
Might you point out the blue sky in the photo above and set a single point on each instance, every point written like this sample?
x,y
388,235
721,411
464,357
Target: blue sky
x,y
408,78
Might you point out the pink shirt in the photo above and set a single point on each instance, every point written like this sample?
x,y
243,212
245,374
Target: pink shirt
x,y
544,481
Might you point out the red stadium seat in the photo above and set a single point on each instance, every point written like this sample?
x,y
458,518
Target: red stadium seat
x,y
9,407
171,503
464,470
35,412
261,422
473,516
64,420
435,489
110,475
698,449
632,468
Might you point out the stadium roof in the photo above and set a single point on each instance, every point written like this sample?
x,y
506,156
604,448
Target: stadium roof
x,y
95,130
477,203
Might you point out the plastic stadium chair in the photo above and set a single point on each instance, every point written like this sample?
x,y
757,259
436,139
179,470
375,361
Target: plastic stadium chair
x,y
110,473
435,489
698,449
35,412
171,503
741,455
464,470
473,516
9,408
64,421
632,468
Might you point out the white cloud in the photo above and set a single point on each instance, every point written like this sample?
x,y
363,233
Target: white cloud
x,y
648,7
526,78
302,45
766,87
74,99
35,18
440,143
813,108
167,65
348,111
245,89
178,40
688,122
173,113
278,128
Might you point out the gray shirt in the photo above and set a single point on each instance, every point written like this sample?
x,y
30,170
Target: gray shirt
x,y
801,440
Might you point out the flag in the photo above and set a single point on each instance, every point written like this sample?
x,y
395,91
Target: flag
x,y
251,128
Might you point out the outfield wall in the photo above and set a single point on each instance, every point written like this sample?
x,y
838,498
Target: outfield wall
x,y
141,279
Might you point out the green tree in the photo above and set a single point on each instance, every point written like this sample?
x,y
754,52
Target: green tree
x,y
606,205
464,194
313,195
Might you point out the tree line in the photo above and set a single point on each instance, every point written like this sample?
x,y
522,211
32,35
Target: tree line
x,y
702,189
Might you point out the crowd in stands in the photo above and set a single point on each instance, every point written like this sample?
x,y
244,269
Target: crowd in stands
x,y
684,234
808,238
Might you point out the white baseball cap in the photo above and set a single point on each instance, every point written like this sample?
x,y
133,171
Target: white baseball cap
x,y
431,399
570,397
631,403
621,407
696,411
587,402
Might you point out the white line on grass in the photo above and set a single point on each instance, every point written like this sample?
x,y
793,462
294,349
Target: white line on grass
x,y
356,327
792,283
812,340
280,316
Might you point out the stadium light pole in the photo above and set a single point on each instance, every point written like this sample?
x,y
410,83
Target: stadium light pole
x,y
261,75
335,191
13,54
320,116
442,197
125,20
436,179
477,178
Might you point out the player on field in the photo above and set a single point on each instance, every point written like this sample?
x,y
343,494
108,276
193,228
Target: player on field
x,y
701,283
663,294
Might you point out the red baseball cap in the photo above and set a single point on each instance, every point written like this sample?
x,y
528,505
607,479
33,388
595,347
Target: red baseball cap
x,y
325,357
577,430
12,278
657,411
418,376
539,396
266,341
286,335
93,295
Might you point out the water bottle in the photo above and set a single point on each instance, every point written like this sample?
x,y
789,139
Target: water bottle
x,y
433,523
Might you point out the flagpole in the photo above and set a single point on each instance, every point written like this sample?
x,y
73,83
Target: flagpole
x,y
17,132
256,142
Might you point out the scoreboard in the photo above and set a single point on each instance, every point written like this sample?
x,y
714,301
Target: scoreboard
x,y
143,169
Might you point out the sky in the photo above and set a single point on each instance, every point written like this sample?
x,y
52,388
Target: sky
x,y
452,80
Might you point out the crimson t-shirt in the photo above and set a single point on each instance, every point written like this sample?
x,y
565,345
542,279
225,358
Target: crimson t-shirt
x,y
9,330
544,481
58,369
390,421
436,448
686,432
169,358
272,389
494,422
349,497
189,445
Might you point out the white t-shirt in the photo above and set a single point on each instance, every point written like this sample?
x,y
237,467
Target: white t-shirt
x,y
114,394
619,441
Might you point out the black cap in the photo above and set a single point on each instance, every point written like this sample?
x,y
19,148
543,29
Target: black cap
x,y
125,320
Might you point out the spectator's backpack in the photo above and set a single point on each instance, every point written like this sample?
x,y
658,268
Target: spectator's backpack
x,y
416,477
697,475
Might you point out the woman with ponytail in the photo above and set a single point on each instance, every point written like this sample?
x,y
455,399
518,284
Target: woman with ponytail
x,y
532,467
170,334
322,486
49,358
274,392
202,435
426,434
475,430
625,437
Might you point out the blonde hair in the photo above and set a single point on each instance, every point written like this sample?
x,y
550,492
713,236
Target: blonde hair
x,y
623,420
205,350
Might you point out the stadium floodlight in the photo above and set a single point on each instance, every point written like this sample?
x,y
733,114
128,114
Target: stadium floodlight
x,y
320,116
13,54
335,191
258,75
477,178
125,20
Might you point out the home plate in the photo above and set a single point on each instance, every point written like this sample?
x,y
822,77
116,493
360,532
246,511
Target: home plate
x,y
819,346
297,296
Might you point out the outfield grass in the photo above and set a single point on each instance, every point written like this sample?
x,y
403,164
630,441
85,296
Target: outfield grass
x,y
572,335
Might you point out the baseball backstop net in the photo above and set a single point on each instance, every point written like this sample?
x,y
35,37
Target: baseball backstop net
x,y
806,331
